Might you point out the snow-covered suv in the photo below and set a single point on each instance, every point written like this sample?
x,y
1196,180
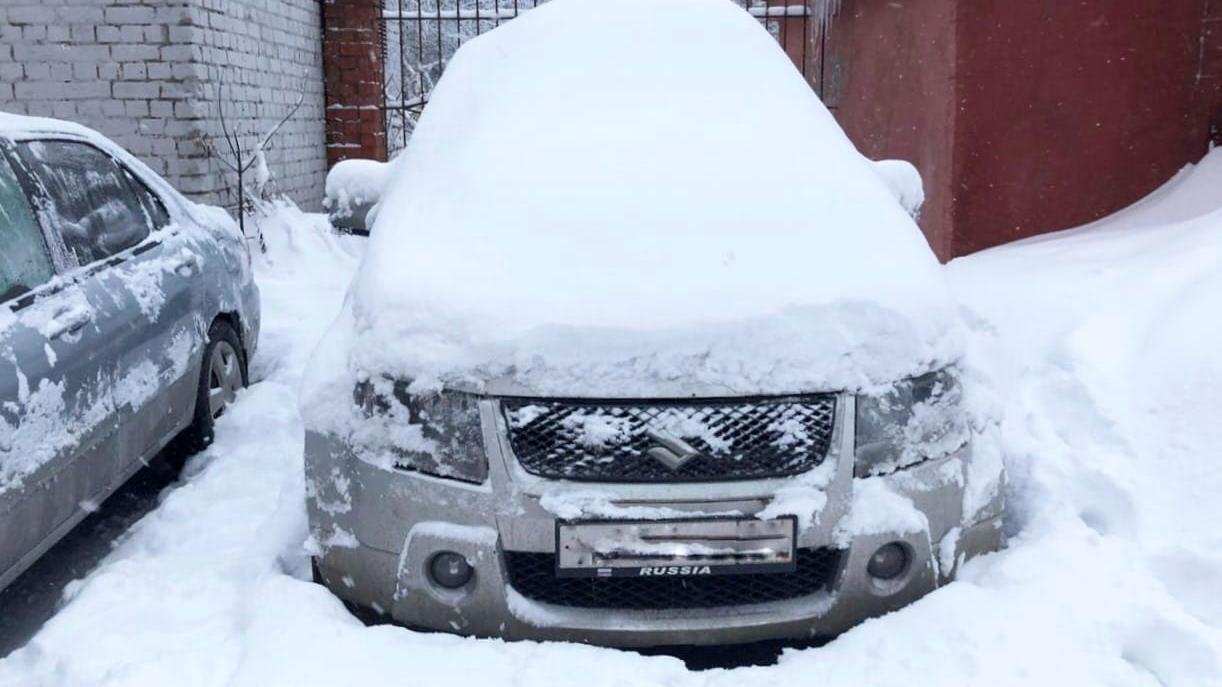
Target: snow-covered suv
x,y
642,352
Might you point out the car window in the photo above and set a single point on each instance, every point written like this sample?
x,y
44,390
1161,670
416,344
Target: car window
x,y
158,217
93,206
25,262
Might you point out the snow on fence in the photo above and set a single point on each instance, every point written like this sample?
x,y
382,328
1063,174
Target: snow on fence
x,y
420,37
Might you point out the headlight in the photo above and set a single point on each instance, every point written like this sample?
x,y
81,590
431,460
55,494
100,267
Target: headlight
x,y
436,433
914,420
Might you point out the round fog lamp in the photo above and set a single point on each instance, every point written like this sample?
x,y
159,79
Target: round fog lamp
x,y
888,562
450,570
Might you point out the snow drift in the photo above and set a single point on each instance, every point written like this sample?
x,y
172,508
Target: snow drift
x,y
1099,339
583,210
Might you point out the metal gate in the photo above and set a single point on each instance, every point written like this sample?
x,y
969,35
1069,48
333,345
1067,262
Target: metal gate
x,y
420,37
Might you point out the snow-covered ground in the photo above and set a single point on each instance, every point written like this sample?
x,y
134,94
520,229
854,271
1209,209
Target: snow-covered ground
x,y
1101,345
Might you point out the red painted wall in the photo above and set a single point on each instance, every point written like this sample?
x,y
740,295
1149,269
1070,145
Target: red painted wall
x,y
1071,110
886,73
1026,116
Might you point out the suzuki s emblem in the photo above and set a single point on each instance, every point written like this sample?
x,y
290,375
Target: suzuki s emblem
x,y
670,450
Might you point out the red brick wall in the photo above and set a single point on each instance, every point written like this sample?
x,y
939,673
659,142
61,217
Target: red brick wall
x,y
352,68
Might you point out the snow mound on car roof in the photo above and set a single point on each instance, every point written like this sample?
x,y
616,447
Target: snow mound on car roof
x,y
641,196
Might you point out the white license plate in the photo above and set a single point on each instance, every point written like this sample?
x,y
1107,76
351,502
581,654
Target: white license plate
x,y
675,548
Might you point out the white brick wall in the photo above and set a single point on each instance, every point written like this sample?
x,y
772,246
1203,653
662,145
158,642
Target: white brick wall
x,y
146,74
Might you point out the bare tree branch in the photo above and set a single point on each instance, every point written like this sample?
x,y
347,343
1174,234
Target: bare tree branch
x,y
240,164
220,108
264,143
210,148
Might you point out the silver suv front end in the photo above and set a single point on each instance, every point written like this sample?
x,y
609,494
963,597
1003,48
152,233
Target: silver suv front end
x,y
503,556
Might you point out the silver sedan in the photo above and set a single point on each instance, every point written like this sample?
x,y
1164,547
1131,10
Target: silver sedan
x,y
127,317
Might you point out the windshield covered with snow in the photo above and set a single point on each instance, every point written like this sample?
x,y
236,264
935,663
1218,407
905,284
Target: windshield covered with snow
x,y
659,206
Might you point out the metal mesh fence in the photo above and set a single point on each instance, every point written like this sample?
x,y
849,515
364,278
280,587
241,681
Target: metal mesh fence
x,y
420,37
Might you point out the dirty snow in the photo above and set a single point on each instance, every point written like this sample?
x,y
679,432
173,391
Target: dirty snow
x,y
1099,343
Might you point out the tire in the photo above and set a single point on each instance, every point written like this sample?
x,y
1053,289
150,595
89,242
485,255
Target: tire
x,y
222,373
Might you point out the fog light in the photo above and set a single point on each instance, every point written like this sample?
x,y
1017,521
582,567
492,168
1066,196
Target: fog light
x,y
888,562
450,570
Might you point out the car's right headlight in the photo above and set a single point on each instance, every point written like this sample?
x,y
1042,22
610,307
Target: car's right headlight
x,y
437,433
912,421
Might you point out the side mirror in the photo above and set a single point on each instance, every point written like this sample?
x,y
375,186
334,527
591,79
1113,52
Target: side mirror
x,y
905,183
353,190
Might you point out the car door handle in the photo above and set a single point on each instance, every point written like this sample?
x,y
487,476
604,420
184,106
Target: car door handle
x,y
185,263
68,321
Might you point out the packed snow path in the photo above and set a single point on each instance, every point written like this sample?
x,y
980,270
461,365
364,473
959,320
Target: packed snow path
x,y
1100,344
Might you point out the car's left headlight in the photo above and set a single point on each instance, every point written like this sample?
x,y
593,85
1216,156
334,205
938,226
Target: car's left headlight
x,y
437,433
912,421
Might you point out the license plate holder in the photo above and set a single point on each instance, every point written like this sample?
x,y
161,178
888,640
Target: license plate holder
x,y
676,548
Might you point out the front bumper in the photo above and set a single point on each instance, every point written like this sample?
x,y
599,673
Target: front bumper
x,y
378,528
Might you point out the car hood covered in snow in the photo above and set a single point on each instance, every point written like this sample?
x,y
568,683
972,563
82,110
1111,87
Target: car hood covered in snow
x,y
639,197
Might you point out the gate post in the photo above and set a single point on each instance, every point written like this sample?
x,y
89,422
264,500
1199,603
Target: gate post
x,y
352,69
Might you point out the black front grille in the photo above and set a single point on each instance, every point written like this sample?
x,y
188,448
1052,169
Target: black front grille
x,y
533,575
608,441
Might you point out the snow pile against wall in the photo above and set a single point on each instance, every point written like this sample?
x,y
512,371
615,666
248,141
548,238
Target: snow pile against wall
x,y
585,212
1104,340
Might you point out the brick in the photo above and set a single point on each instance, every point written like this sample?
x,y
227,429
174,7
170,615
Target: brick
x,y
133,71
31,14
152,126
181,34
89,108
176,53
78,14
141,145
158,70
38,71
135,89
39,108
134,53
61,71
131,33
81,33
46,90
129,15
84,71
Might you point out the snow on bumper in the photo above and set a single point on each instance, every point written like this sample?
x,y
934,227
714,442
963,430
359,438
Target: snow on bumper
x,y
377,530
